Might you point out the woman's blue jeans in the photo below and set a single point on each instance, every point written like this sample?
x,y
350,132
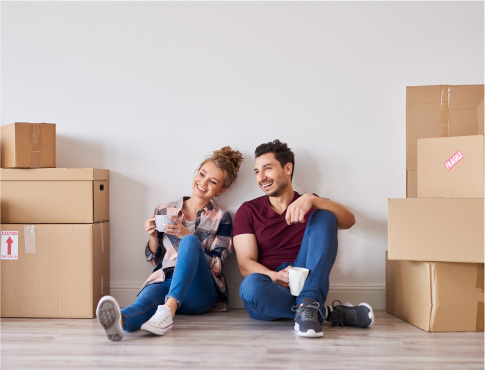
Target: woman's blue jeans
x,y
266,300
190,284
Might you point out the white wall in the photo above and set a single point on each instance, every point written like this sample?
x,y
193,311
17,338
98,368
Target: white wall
x,y
147,89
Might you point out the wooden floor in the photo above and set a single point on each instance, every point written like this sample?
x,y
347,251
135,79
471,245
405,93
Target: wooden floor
x,y
234,341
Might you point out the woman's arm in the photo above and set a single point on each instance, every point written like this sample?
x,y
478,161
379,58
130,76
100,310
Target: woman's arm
x,y
222,244
153,249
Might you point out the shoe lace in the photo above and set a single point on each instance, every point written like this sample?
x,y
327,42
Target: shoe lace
x,y
308,312
337,314
160,317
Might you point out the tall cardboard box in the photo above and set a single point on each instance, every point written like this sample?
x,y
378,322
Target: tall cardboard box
x,y
28,145
54,195
451,167
411,184
441,111
436,229
436,296
54,270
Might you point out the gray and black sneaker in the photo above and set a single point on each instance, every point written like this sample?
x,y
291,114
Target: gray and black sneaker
x,y
108,314
306,319
346,314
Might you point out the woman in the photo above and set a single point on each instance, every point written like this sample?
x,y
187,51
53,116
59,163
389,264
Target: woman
x,y
188,256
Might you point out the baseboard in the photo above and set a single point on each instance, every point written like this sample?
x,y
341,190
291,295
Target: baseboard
x,y
125,294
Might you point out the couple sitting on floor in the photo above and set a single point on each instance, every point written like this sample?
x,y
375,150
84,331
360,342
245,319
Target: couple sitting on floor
x,y
271,234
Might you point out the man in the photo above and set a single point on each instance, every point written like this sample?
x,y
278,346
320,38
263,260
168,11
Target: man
x,y
282,229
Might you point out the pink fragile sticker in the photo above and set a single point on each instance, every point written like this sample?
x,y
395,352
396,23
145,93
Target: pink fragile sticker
x,y
455,158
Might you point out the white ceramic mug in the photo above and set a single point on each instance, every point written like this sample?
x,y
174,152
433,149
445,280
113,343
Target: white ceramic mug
x,y
298,276
162,220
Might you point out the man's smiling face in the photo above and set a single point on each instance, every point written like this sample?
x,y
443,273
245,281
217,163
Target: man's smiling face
x,y
270,176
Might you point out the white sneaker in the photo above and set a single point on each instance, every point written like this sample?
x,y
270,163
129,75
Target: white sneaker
x,y
108,314
161,323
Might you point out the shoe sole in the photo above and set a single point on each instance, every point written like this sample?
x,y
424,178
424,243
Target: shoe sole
x,y
108,316
371,313
309,333
156,330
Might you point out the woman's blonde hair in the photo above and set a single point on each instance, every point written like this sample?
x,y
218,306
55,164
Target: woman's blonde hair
x,y
229,161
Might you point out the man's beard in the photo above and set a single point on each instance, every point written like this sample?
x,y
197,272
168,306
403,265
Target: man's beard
x,y
280,187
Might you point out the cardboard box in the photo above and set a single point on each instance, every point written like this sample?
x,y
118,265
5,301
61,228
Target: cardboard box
x,y
441,111
436,229
61,271
28,145
451,167
436,296
412,187
54,195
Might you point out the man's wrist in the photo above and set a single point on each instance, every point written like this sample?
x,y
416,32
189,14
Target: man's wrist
x,y
312,198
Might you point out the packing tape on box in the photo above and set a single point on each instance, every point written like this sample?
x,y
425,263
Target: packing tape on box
x,y
480,324
29,238
102,237
445,111
480,308
480,277
35,144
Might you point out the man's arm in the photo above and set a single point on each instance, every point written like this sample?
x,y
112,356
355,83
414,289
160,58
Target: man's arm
x,y
297,210
246,248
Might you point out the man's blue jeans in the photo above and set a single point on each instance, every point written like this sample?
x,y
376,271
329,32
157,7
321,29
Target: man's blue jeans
x,y
266,300
190,284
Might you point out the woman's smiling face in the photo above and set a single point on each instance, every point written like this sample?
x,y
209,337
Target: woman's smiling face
x,y
208,181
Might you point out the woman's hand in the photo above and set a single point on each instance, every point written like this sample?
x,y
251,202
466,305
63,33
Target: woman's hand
x,y
150,227
177,230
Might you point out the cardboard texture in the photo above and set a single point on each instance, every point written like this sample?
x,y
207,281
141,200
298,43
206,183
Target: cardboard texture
x,y
451,167
54,195
28,145
436,296
436,229
441,111
62,271
411,188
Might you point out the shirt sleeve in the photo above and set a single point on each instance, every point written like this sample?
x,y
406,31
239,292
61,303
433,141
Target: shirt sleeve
x,y
221,246
155,258
243,222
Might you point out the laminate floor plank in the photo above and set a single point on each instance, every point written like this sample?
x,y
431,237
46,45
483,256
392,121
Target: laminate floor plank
x,y
232,340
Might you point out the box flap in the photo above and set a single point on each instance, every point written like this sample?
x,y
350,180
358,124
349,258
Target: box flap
x,y
456,287
408,291
53,174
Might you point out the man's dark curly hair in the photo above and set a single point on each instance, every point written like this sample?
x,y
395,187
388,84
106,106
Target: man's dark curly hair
x,y
282,153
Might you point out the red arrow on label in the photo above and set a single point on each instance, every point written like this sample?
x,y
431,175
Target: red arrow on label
x,y
9,242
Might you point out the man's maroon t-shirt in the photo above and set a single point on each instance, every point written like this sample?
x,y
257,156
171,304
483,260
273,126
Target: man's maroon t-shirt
x,y
278,242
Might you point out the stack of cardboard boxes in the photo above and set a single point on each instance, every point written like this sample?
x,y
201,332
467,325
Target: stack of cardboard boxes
x,y
54,229
434,274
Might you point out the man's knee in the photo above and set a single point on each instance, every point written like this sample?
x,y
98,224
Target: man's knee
x,y
323,217
250,288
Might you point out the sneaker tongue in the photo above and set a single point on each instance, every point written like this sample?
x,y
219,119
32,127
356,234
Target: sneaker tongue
x,y
309,314
308,301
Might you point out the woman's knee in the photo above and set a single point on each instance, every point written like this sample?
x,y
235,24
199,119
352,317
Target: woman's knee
x,y
189,243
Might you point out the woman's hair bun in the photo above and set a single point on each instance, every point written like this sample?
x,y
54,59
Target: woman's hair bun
x,y
229,161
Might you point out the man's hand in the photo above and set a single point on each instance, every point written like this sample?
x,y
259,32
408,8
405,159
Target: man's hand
x,y
297,210
283,277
